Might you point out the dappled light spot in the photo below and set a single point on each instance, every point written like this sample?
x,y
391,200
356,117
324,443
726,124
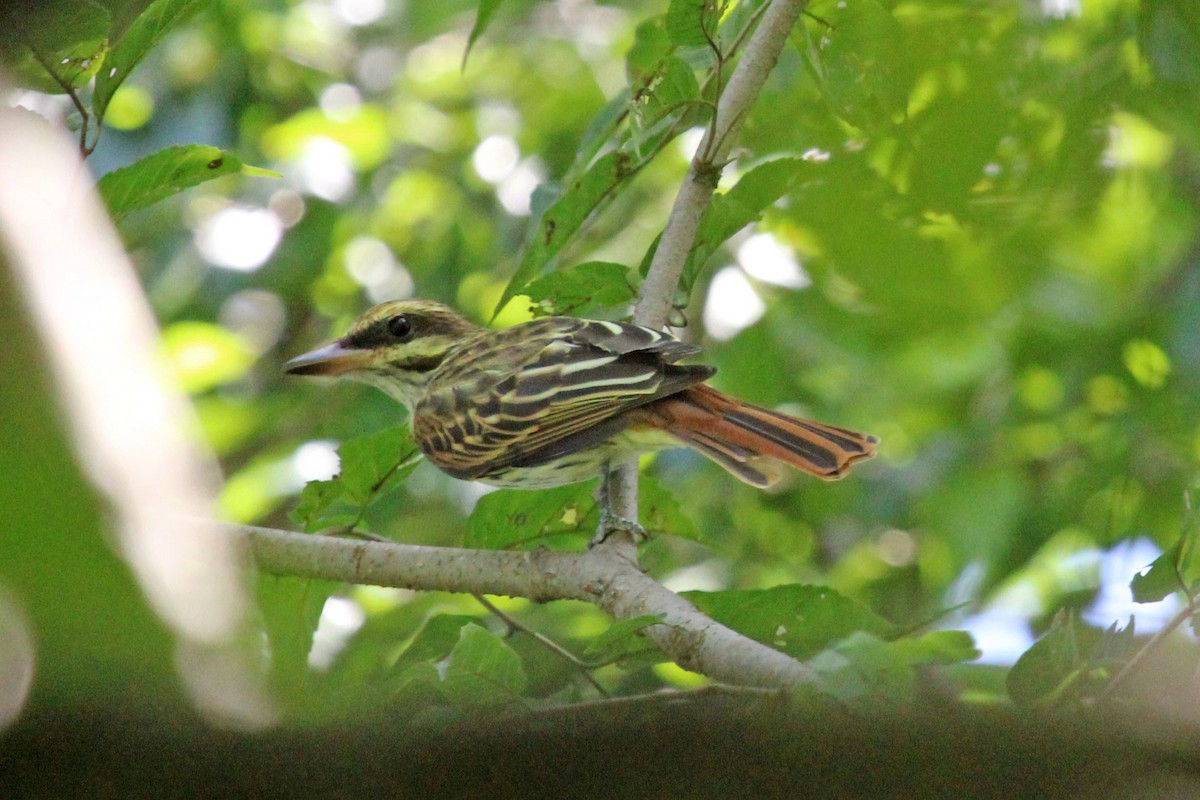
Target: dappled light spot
x,y
1061,9
202,355
340,619
255,315
732,304
315,461
1001,636
495,158
17,659
515,192
764,258
239,238
1114,602
340,101
896,548
326,169
360,12
1147,362
373,266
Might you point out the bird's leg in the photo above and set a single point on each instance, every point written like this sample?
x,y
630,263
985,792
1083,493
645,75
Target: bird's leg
x,y
610,520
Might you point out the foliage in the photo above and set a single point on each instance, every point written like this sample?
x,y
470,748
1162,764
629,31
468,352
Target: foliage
x,y
970,229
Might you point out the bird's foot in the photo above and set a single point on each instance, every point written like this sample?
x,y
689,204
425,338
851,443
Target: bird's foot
x,y
611,523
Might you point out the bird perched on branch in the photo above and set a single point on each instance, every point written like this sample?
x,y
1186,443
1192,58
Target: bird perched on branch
x,y
551,401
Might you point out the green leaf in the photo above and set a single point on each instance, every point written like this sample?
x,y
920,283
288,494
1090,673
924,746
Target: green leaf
x,y
581,289
290,609
437,637
799,620
324,505
1160,578
418,687
688,20
863,671
650,46
866,69
622,639
565,217
139,38
370,466
371,462
659,511
519,518
483,670
165,173
742,205
1054,667
68,38
483,18
672,87
936,647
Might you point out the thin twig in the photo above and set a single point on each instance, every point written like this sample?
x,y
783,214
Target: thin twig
x,y
69,90
585,669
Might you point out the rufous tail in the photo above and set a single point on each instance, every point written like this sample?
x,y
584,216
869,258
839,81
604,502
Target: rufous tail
x,y
750,441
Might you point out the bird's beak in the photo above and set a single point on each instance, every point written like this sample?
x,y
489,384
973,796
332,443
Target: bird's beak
x,y
330,361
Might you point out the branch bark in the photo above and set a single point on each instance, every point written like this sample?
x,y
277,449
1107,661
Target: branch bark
x,y
693,640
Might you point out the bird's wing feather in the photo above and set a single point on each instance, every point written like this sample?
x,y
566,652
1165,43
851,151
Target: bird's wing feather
x,y
536,390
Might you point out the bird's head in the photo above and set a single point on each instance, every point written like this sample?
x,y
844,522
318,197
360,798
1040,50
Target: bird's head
x,y
395,346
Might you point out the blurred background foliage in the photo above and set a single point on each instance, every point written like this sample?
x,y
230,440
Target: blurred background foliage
x,y
988,259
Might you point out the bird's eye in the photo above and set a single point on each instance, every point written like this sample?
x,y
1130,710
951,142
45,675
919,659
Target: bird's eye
x,y
400,326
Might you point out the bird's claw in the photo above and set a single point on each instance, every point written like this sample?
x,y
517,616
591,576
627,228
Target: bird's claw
x,y
611,523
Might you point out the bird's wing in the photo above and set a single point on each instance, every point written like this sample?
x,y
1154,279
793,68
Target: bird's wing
x,y
528,394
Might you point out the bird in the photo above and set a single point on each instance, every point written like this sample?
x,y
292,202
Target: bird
x,y
553,400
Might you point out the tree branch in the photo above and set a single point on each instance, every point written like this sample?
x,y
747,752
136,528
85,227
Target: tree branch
x,y
679,236
607,575
691,639
767,42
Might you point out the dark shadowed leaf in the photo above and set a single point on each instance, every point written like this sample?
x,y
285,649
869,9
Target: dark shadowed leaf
x,y
138,39
435,640
863,670
71,39
687,22
323,505
623,639
1159,578
483,670
799,620
1053,667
